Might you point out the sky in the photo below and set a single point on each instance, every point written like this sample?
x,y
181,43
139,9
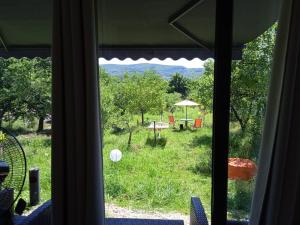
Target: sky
x,y
194,63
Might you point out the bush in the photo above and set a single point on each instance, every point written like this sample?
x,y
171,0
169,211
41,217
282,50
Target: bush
x,y
240,196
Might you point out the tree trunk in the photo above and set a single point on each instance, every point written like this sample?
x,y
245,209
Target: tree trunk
x,y
41,124
143,118
1,118
242,124
129,138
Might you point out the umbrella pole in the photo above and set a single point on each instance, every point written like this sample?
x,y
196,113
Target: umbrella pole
x,y
186,116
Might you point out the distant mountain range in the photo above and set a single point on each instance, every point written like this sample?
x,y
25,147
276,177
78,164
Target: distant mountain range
x,y
165,71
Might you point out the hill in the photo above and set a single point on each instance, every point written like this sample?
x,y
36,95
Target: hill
x,y
165,71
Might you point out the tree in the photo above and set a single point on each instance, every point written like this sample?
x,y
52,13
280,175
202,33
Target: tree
x,y
39,100
25,86
139,94
203,91
169,100
14,89
6,97
179,84
249,85
250,79
110,112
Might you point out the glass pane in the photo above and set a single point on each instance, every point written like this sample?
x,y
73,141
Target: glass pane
x,y
159,171
249,89
25,110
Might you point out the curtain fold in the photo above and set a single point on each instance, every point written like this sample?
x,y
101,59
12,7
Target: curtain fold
x,y
277,193
77,183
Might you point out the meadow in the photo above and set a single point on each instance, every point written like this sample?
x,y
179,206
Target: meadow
x,y
160,177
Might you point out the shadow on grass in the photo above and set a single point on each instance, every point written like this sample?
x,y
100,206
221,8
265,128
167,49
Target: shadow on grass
x,y
117,130
160,142
23,131
47,132
203,169
201,140
178,130
18,131
47,142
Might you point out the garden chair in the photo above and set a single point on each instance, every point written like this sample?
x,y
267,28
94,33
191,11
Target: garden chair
x,y
198,123
171,120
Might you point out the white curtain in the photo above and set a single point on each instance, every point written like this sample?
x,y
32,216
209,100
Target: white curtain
x,y
277,194
77,185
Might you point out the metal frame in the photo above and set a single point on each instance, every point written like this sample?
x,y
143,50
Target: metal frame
x,y
221,110
3,43
123,52
180,13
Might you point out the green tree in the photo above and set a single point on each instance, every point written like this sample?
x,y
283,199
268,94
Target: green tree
x,y
39,98
6,97
138,94
169,100
250,79
25,86
249,85
203,91
141,93
179,84
110,112
14,85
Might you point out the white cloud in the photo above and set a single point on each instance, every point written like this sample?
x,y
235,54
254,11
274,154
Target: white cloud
x,y
194,63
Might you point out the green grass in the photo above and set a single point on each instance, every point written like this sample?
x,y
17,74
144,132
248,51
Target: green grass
x,y
161,177
38,154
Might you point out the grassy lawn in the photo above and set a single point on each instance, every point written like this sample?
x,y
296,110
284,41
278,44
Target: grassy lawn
x,y
161,177
38,154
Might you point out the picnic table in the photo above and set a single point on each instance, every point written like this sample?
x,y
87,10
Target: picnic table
x,y
158,126
186,121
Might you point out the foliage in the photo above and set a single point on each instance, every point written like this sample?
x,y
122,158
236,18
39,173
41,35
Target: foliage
x,y
178,83
25,89
239,198
250,78
169,100
203,91
13,87
123,98
109,110
39,99
141,93
249,85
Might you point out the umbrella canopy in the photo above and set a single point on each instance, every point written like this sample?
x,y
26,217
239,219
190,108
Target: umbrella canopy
x,y
186,103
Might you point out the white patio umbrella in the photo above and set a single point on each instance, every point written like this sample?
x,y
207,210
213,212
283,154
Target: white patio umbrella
x,y
186,103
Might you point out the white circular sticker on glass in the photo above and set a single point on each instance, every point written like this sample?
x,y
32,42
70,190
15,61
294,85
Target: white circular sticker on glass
x,y
115,155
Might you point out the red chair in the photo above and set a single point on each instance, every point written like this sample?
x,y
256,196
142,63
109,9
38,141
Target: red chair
x,y
171,120
198,123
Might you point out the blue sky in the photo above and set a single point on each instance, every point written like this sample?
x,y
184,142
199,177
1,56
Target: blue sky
x,y
194,63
